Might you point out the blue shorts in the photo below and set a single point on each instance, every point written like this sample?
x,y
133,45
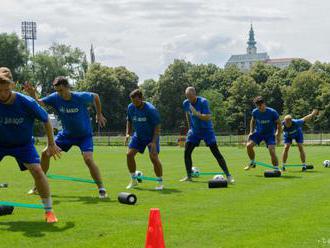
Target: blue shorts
x,y
299,137
207,135
141,144
65,143
257,138
26,154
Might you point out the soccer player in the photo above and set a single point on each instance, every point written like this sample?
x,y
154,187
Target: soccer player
x,y
72,109
198,116
143,118
292,129
264,126
17,115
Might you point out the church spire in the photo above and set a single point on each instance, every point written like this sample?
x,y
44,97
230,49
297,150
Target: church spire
x,y
251,49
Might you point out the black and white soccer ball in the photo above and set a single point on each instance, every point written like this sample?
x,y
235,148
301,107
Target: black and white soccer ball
x,y
326,163
219,177
139,174
195,172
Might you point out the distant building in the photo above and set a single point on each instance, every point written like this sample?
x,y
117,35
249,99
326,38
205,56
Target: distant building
x,y
245,61
280,63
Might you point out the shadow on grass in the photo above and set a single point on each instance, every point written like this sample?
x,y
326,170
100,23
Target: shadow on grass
x,y
33,228
83,199
165,191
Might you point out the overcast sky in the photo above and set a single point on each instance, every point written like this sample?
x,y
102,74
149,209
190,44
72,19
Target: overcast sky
x,y
146,35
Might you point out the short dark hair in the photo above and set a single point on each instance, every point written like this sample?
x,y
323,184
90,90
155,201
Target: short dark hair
x,y
60,81
258,100
136,93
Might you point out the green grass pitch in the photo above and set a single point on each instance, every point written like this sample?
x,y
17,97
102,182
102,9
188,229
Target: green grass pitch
x,y
291,211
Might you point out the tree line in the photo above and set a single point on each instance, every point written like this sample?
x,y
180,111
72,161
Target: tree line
x,y
294,90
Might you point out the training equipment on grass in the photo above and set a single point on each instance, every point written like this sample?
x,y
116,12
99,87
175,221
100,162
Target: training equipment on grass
x,y
6,210
273,173
127,198
3,185
218,177
74,179
326,163
141,178
155,236
218,181
199,173
195,172
139,174
264,165
22,205
308,167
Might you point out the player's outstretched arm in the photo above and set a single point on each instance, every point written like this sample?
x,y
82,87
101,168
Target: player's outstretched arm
x,y
52,149
100,119
32,92
310,116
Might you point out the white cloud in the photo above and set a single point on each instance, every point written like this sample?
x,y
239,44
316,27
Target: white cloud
x,y
146,35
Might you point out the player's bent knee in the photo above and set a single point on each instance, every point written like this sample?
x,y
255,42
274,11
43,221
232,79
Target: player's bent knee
x,y
130,154
153,157
37,171
249,145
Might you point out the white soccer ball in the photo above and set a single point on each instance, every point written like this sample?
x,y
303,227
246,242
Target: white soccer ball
x,y
195,172
218,177
139,174
326,163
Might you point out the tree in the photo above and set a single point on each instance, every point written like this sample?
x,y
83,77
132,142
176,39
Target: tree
x,y
172,85
300,65
260,72
303,95
58,60
150,89
223,79
113,85
215,100
272,92
12,54
239,104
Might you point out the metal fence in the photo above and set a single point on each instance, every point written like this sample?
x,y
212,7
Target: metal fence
x,y
175,139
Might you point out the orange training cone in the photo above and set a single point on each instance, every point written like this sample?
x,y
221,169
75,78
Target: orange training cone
x,y
155,238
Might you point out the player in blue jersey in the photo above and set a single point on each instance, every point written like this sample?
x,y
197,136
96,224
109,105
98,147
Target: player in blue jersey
x,y
200,128
72,109
17,115
264,126
292,129
143,126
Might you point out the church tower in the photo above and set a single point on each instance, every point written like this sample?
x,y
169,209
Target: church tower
x,y
251,49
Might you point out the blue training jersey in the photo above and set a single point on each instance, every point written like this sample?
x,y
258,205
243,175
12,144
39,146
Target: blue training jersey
x,y
73,113
294,129
17,119
265,121
143,120
202,106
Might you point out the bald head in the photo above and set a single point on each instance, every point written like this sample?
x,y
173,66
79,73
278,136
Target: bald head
x,y
191,94
190,90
